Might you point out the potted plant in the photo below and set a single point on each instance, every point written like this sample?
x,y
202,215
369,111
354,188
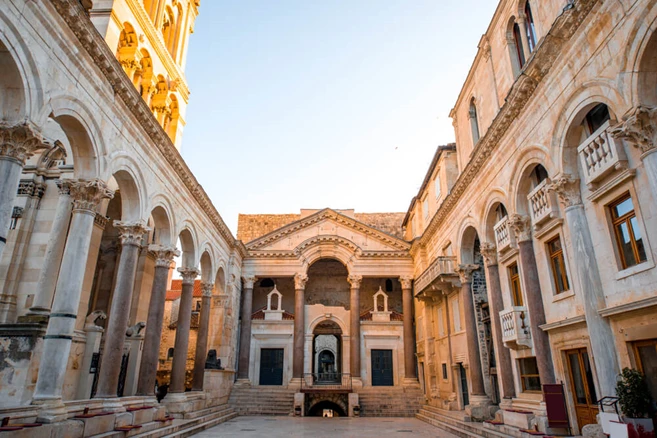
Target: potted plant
x,y
635,402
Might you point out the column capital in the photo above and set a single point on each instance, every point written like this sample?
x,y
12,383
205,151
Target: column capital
x,y
188,274
465,272
522,227
163,255
489,252
64,186
637,128
87,194
207,289
355,280
19,141
249,282
131,233
300,281
567,189
406,281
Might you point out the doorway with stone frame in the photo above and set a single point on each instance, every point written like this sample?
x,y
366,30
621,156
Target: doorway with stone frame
x,y
327,353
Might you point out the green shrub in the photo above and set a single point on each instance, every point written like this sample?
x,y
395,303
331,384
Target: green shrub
x,y
633,395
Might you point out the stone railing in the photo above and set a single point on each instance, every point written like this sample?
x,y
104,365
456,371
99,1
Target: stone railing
x,y
543,204
504,236
442,265
515,328
600,154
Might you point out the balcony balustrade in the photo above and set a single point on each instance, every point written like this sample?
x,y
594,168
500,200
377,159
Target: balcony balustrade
x,y
600,154
441,269
515,328
543,204
504,236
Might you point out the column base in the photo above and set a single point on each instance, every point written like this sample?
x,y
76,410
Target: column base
x,y
295,383
479,408
113,404
506,403
410,382
50,410
32,317
180,403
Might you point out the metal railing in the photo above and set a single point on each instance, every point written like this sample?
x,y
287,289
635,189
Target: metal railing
x,y
319,382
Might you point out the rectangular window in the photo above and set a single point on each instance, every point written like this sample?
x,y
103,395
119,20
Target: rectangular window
x,y
558,265
444,371
529,374
436,185
441,328
628,236
516,290
425,208
456,315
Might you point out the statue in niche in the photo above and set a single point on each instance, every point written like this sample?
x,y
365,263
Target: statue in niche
x,y
213,362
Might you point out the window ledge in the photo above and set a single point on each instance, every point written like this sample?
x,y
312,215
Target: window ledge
x,y
563,295
641,267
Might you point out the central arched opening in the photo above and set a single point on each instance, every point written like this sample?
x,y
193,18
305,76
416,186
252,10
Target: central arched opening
x,y
327,353
326,408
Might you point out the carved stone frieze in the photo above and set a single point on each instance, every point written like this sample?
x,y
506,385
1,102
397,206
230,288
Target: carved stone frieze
x,y
567,189
87,194
19,141
131,233
406,282
163,255
521,226
638,128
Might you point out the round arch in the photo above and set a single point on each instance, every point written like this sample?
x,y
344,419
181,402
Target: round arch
x,y
187,238
322,247
519,184
489,215
207,264
468,236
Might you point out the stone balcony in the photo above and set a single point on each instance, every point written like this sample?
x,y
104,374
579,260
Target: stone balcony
x,y
438,276
543,205
600,155
515,328
504,235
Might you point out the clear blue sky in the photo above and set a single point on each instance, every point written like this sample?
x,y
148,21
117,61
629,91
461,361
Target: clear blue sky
x,y
312,104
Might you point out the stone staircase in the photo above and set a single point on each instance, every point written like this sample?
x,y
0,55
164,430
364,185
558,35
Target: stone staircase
x,y
191,424
457,423
390,401
262,401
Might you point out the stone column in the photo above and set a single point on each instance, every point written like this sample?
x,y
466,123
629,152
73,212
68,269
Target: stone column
x,y
245,332
181,344
638,129
504,363
472,334
86,194
54,250
354,310
531,286
130,237
87,371
202,337
299,324
409,339
589,284
149,357
522,24
17,143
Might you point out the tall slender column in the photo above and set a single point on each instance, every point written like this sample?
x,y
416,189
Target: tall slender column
x,y
589,284
54,250
300,281
17,144
354,311
202,337
472,334
86,195
149,357
181,344
521,225
245,332
130,237
504,364
522,24
409,339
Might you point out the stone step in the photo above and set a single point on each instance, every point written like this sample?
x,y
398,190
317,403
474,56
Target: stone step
x,y
453,421
182,427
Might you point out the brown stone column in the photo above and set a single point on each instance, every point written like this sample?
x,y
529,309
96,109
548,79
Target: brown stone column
x,y
504,364
150,354
130,236
299,324
202,338
409,339
181,344
245,332
471,332
354,310
521,225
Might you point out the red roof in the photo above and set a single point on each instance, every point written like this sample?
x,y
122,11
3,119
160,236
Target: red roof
x,y
176,289
394,316
260,314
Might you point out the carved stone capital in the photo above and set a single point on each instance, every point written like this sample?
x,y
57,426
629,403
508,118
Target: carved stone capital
x,y
355,281
64,186
465,272
489,252
521,226
131,233
18,142
638,128
100,221
567,189
207,289
87,194
406,282
300,281
188,275
163,255
249,282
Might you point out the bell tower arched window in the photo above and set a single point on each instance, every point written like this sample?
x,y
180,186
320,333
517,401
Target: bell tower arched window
x,y
474,121
529,27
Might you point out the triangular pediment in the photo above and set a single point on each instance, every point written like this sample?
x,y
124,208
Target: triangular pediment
x,y
328,226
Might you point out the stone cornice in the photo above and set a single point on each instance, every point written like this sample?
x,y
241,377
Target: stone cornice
x,y
291,254
321,215
93,43
536,69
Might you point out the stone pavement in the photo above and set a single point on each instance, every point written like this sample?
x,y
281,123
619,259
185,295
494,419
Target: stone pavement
x,y
317,427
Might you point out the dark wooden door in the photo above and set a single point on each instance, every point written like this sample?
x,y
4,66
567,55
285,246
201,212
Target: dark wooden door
x,y
382,368
464,385
271,366
582,387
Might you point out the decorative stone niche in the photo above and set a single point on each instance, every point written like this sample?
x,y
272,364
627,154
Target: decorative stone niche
x,y
274,314
377,314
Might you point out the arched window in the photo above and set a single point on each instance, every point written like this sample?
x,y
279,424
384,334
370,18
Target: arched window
x,y
266,282
170,354
517,39
538,175
388,285
595,119
474,122
530,29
